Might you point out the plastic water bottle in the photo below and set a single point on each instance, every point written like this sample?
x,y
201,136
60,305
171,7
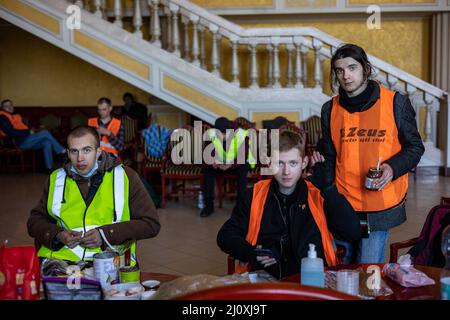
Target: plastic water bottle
x,y
312,272
445,273
200,200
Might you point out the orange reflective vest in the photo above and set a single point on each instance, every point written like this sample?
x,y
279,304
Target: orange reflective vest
x,y
113,126
360,139
16,122
315,203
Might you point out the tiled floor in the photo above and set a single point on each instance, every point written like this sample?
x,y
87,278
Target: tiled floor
x,y
187,243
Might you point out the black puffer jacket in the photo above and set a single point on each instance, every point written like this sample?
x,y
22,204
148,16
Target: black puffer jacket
x,y
287,227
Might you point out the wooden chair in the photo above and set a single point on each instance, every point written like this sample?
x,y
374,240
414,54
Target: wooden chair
x,y
313,129
241,122
276,123
130,127
171,172
267,291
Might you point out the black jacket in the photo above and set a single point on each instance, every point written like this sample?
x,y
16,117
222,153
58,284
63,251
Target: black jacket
x,y
287,227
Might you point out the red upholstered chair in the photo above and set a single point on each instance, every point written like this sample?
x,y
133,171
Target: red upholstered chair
x,y
267,291
173,173
313,130
131,140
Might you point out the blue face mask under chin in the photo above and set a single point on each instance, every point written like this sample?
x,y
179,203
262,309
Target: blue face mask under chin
x,y
88,174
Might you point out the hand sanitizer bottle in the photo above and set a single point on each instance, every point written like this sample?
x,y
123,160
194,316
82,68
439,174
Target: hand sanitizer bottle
x,y
312,272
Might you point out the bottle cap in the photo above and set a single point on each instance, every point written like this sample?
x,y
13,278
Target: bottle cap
x,y
312,251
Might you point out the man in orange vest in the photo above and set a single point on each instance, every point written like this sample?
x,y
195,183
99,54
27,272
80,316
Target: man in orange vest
x,y
13,130
285,214
112,136
368,126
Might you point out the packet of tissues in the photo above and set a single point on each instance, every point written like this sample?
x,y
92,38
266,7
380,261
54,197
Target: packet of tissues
x,y
405,274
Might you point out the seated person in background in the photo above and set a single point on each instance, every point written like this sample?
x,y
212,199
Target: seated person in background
x,y
135,110
12,127
91,203
293,212
112,134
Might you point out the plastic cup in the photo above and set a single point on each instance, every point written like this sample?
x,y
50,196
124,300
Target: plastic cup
x,y
347,281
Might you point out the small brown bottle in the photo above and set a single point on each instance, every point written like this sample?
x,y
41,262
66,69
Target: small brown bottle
x,y
373,174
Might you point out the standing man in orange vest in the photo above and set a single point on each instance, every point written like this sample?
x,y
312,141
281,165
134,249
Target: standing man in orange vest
x,y
13,130
285,214
363,126
112,136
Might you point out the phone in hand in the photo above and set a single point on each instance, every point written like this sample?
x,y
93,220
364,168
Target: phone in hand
x,y
265,252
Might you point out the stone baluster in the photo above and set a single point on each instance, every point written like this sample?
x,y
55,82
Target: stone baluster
x,y
304,50
155,26
290,68
186,46
79,3
298,42
276,63
253,65
269,65
195,40
175,30
428,121
137,18
410,91
215,58
98,8
118,13
318,72
234,62
202,47
168,30
392,81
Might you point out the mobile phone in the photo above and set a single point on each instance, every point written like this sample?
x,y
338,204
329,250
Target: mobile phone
x,y
265,252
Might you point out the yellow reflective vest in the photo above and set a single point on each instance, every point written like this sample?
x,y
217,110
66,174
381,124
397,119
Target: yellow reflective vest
x,y
66,205
229,156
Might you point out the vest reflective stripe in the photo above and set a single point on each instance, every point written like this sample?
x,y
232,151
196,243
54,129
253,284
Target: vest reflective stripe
x,y
113,126
230,155
106,144
79,250
15,120
315,202
360,139
58,193
66,205
119,197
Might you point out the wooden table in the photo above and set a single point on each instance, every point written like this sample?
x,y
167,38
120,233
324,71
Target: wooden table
x,y
431,292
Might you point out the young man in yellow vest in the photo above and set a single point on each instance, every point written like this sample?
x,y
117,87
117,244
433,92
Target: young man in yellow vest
x,y
13,128
228,158
90,204
112,136
364,125
287,213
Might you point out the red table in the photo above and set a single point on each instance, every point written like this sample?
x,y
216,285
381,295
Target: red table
x,y
431,292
